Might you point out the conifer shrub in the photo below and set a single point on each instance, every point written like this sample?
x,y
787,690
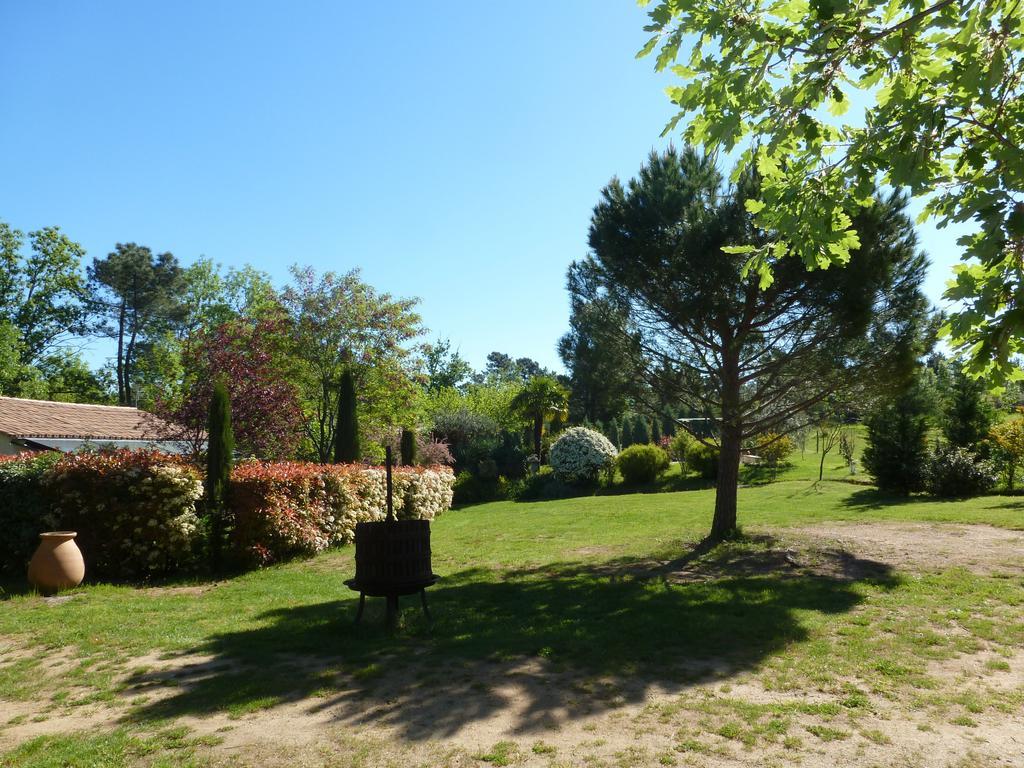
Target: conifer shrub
x,y
220,450
408,448
895,450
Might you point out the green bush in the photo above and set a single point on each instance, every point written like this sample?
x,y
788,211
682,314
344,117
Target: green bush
x,y
774,448
680,446
542,486
954,472
641,464
25,508
703,459
473,489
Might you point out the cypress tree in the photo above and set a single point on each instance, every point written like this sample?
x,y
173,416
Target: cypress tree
x,y
656,431
641,430
626,431
346,427
220,449
408,448
613,433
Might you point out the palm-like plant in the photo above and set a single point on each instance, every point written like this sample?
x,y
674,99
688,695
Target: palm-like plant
x,y
540,398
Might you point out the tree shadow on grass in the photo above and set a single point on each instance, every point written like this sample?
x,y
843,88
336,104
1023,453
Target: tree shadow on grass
x,y
873,498
538,646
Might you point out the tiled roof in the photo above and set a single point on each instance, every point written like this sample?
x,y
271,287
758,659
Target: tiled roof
x,y
41,418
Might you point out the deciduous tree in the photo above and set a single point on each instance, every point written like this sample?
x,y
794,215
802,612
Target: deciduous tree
x,y
444,368
41,290
249,358
927,96
1008,438
340,323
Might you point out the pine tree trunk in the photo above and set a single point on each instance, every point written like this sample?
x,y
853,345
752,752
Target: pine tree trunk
x,y
724,524
129,365
121,397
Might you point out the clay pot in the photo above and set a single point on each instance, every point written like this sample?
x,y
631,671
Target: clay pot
x,y
57,563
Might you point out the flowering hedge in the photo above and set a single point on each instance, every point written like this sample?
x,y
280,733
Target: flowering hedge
x,y
135,511
290,508
139,513
24,507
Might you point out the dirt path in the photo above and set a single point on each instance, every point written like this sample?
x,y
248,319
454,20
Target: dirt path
x,y
925,546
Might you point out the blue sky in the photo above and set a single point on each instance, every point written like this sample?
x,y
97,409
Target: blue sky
x,y
451,151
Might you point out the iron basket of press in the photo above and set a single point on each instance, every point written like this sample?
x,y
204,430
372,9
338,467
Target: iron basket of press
x,y
392,558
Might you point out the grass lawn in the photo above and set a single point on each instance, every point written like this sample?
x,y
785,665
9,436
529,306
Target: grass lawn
x,y
846,628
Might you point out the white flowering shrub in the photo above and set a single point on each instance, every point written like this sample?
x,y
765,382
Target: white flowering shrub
x,y
580,454
135,512
285,509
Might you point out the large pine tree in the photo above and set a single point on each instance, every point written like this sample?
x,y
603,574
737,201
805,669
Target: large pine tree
x,y
754,355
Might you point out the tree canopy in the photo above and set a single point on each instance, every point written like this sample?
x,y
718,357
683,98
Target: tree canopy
x,y
133,293
827,98
340,323
542,396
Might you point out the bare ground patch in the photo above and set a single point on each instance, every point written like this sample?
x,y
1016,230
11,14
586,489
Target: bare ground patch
x,y
915,546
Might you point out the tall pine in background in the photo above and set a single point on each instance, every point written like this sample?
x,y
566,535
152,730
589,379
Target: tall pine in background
x,y
346,427
220,450
969,415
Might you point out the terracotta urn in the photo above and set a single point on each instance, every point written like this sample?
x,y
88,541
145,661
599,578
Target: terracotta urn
x,y
57,563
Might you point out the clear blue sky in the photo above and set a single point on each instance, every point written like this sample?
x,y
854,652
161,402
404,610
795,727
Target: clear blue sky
x,y
451,151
